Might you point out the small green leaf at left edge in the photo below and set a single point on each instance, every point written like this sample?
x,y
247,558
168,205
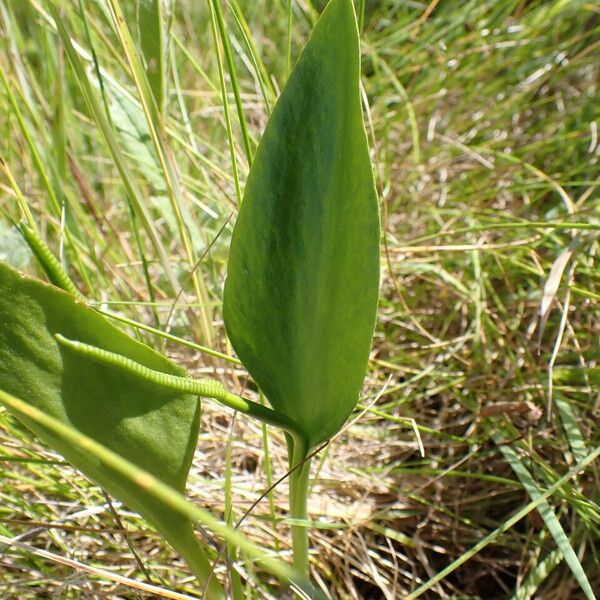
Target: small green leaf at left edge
x,y
153,428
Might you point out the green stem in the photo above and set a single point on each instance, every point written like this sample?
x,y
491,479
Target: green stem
x,y
228,128
218,16
298,505
207,388
51,265
288,51
361,15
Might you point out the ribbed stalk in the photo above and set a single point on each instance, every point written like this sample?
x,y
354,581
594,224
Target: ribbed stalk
x,y
298,506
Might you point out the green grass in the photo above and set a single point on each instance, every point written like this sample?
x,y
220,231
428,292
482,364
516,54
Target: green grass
x,y
483,120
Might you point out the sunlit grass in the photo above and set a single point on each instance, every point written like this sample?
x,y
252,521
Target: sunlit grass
x,y
483,119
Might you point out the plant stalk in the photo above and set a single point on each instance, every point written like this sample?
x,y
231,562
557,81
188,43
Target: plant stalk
x,y
299,479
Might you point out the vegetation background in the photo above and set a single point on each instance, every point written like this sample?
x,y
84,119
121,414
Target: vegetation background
x,y
483,383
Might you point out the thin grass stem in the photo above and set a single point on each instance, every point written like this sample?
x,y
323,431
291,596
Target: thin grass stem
x,y
218,17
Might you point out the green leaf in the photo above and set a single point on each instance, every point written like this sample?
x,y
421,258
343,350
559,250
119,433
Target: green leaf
x,y
128,119
153,428
146,484
302,285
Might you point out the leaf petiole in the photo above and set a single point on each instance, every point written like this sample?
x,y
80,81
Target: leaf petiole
x,y
299,479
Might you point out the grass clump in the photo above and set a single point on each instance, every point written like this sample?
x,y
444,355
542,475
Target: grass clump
x,y
483,123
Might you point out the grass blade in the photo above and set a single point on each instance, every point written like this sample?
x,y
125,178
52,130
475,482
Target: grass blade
x,y
154,24
548,515
541,498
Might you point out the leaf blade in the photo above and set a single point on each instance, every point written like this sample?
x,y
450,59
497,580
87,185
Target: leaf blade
x,y
302,286
154,429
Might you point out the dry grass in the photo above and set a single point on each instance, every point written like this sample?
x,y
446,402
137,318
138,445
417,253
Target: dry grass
x,y
480,115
